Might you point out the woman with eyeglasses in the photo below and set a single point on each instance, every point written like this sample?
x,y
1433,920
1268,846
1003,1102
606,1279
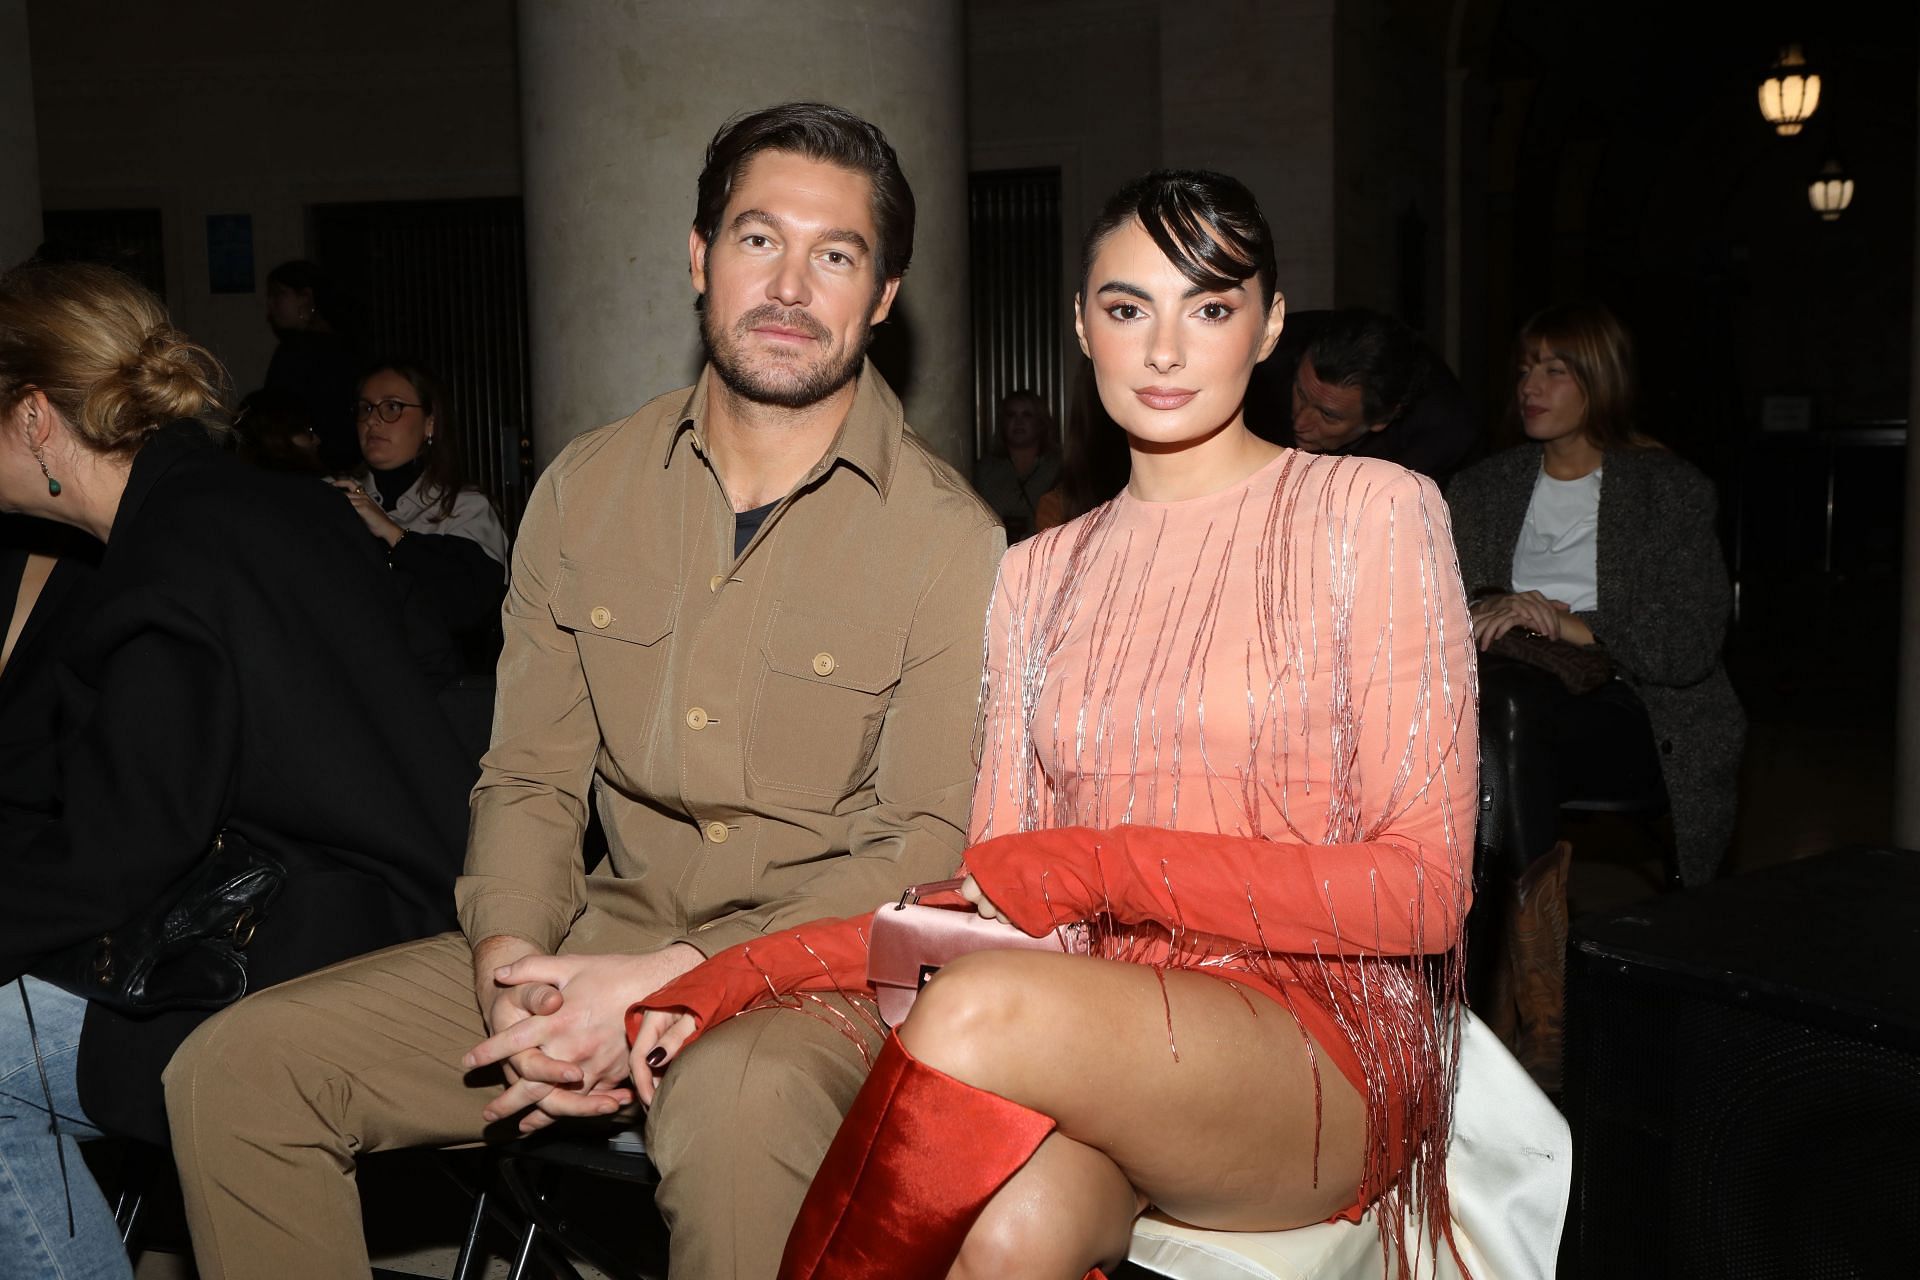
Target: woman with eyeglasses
x,y
412,495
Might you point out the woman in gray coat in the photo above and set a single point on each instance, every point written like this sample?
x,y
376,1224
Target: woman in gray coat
x,y
1594,535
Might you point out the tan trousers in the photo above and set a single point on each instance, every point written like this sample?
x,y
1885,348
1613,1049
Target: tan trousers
x,y
272,1101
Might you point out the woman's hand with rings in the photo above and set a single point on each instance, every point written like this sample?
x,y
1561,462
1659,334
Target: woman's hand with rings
x,y
378,522
1494,616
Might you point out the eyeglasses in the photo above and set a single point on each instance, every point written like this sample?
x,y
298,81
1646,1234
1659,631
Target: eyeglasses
x,y
389,410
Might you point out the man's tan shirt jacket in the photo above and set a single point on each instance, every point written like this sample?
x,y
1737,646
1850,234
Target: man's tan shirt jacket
x,y
770,739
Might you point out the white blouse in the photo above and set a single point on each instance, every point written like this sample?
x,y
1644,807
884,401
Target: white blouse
x,y
1555,553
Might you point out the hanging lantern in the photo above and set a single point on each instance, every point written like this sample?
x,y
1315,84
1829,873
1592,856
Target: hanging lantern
x,y
1831,192
1790,93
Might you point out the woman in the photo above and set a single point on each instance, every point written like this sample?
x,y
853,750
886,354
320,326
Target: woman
x,y
1228,724
217,681
438,530
1592,535
1022,464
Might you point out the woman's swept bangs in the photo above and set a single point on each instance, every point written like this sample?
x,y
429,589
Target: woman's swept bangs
x,y
1207,224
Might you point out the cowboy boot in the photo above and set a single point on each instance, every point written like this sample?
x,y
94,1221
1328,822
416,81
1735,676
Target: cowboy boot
x,y
1537,959
917,1158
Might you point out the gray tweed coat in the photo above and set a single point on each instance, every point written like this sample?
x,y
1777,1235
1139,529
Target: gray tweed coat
x,y
1664,601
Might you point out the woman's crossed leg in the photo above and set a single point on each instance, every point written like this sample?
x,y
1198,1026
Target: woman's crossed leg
x,y
1209,1113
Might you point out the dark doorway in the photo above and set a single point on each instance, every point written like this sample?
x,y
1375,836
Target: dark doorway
x,y
445,282
1014,245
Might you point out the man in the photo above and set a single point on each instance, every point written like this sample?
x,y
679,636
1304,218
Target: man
x,y
747,620
1359,382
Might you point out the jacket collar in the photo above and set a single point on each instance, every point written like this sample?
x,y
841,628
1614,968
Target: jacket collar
x,y
868,440
178,440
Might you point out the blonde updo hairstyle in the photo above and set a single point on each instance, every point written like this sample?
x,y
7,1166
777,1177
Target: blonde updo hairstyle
x,y
99,346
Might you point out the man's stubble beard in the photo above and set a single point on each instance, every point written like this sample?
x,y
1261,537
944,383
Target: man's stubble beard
x,y
805,386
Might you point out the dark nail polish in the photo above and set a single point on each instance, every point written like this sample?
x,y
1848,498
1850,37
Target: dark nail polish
x,y
657,1057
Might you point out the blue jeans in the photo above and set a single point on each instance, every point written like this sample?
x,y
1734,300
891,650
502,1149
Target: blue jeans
x,y
34,1243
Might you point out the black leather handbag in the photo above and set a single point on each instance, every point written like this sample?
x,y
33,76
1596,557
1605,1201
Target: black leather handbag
x,y
189,950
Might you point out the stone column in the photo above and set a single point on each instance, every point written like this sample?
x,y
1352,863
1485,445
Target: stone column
x,y
19,146
618,101
1906,771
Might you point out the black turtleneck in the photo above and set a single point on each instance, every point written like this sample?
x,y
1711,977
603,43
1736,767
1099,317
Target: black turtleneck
x,y
393,484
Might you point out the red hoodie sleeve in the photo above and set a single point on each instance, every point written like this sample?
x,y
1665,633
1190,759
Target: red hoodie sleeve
x,y
1388,896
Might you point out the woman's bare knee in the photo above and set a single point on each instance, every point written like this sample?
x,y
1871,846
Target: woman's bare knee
x,y
968,1017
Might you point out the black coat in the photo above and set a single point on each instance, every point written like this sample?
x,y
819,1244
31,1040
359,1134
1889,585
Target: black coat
x,y
29,692
241,663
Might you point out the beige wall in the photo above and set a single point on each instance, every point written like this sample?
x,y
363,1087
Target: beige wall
x,y
20,192
1333,114
263,109
1072,83
218,106
1067,84
1248,89
1390,151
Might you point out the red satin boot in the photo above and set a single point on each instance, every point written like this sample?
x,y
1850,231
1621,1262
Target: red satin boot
x,y
915,1161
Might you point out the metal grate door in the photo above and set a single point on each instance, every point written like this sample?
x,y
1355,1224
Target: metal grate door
x,y
445,282
1019,320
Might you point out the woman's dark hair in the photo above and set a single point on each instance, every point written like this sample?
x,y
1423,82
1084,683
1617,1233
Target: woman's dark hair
x,y
1372,352
1599,355
818,132
442,475
1209,226
1094,460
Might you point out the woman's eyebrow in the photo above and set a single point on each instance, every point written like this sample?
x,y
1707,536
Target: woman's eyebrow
x,y
1122,286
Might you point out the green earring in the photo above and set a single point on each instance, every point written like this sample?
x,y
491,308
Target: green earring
x,y
53,486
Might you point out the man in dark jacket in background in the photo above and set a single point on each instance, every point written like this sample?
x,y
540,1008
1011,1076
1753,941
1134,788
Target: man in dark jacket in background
x,y
1359,382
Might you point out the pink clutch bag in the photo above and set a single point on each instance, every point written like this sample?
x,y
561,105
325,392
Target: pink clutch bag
x,y
910,943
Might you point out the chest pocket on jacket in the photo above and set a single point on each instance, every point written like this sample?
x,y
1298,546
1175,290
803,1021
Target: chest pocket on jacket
x,y
621,624
823,695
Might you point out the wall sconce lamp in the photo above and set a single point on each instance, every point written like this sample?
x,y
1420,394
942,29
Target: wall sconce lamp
x,y
1790,93
1831,192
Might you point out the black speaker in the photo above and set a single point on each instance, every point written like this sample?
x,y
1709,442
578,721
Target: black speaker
x,y
1743,1077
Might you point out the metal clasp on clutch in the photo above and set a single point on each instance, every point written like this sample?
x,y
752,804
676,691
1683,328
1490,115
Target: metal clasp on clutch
x,y
910,896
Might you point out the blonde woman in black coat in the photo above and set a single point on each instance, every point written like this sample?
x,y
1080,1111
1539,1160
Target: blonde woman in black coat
x,y
1592,534
240,666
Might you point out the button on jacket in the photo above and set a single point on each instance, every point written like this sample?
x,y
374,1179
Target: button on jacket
x,y
769,738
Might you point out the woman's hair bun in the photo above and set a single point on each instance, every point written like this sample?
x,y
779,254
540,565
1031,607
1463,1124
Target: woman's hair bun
x,y
99,346
171,376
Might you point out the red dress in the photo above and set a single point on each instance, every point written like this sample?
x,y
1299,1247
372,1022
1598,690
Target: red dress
x,y
1236,736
